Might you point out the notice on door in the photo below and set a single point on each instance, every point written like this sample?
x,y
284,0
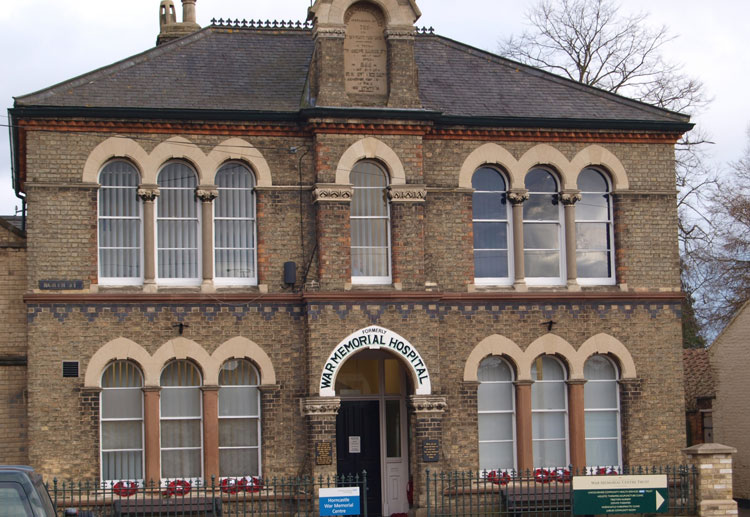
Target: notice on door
x,y
355,444
339,501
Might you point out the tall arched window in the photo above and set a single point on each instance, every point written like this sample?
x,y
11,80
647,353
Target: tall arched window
x,y
181,421
120,238
239,419
122,423
549,412
234,222
370,225
491,214
602,409
496,404
177,226
594,248
542,229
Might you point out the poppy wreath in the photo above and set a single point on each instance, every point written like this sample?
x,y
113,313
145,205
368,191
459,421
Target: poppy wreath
x,y
498,479
606,471
229,486
250,484
125,488
562,475
178,487
544,475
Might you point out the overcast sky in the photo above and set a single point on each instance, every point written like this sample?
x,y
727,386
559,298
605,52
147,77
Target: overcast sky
x,y
43,42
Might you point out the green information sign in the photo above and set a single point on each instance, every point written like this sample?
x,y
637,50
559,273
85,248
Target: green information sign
x,y
620,494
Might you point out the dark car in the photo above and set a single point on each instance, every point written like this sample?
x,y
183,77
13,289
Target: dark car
x,y
23,494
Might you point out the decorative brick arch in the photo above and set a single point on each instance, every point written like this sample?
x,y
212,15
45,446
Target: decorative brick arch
x,y
489,154
493,345
240,150
551,344
110,149
373,149
606,344
596,155
241,348
119,349
179,348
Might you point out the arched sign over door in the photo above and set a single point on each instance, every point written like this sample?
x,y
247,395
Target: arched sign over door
x,y
375,338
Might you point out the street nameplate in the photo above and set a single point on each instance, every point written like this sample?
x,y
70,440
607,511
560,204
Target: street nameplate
x,y
620,494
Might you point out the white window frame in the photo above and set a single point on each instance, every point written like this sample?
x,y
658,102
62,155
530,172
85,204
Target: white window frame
x,y
512,412
612,279
560,223
565,411
498,281
118,281
102,451
178,282
607,410
229,280
195,481
257,417
375,280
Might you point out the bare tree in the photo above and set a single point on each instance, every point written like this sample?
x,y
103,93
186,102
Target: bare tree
x,y
591,42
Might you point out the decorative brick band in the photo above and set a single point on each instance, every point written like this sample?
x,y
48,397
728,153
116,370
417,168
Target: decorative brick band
x,y
332,193
407,193
320,406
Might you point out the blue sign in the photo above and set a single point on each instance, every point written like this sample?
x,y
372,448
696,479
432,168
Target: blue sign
x,y
339,501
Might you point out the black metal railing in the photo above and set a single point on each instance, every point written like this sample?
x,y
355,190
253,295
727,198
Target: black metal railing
x,y
540,491
240,497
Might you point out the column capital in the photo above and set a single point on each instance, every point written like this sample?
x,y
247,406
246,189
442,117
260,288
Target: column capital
x,y
207,193
151,389
320,406
332,192
148,192
518,196
428,403
269,388
576,382
570,197
209,388
407,193
523,382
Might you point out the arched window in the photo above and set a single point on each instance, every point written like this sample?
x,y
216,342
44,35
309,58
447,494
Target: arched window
x,y
496,403
594,248
234,222
542,229
122,423
120,238
491,213
181,421
239,419
602,410
549,412
177,226
370,225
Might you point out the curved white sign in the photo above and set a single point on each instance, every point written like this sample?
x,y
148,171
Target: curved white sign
x,y
375,338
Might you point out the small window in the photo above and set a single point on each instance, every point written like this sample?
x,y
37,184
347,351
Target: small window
x,y
234,226
549,413
370,225
496,405
177,226
491,214
602,412
239,419
542,230
594,236
120,239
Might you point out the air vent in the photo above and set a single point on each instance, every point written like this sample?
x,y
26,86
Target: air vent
x,y
70,368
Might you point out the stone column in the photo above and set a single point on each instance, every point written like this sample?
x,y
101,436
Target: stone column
x,y
407,235
151,446
210,434
149,193
714,464
320,414
428,425
516,198
332,203
569,198
524,448
576,423
207,193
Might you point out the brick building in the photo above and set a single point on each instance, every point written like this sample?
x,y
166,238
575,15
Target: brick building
x,y
321,247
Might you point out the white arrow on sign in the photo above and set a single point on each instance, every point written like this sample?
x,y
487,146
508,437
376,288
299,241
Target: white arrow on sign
x,y
659,500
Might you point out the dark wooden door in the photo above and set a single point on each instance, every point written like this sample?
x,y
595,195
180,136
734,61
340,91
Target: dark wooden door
x,y
360,419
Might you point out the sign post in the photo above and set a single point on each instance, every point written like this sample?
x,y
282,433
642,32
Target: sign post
x,y
620,494
339,501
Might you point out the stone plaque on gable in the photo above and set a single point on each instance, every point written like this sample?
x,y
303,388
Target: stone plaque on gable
x,y
365,53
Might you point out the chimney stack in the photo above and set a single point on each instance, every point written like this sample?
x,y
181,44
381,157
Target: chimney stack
x,y
188,11
169,28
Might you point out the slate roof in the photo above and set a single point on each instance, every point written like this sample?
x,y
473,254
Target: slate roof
x,y
267,70
13,223
699,379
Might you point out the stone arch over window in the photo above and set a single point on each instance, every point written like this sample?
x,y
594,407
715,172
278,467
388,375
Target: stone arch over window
x,y
240,150
119,349
397,12
113,148
370,149
550,344
177,148
494,345
605,344
546,156
177,349
241,348
598,156
489,154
